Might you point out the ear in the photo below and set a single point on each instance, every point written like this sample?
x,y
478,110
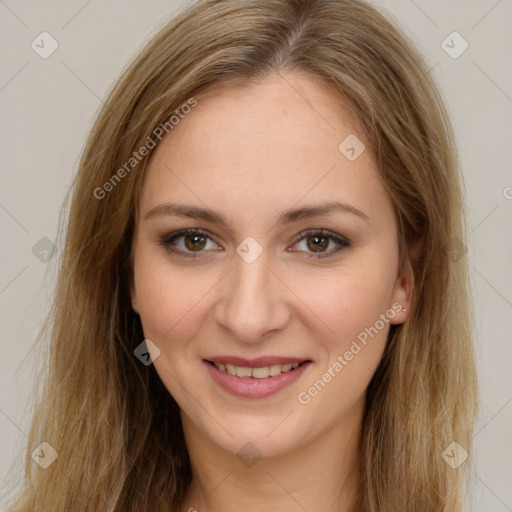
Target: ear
x,y
133,294
403,291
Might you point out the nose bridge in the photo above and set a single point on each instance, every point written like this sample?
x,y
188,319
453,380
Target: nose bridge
x,y
251,304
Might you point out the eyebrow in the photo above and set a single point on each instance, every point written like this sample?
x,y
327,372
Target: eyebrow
x,y
286,217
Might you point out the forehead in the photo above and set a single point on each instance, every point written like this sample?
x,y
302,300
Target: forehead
x,y
264,147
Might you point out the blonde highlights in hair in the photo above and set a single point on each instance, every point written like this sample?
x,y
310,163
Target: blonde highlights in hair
x,y
113,423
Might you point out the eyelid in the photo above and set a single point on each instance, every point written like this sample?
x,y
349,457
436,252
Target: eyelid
x,y
187,231
320,231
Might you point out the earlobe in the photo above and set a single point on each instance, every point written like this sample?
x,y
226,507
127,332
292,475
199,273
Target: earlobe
x,y
135,302
405,286
403,294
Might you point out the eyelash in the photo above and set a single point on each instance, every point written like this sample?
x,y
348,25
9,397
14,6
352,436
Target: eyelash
x,y
168,240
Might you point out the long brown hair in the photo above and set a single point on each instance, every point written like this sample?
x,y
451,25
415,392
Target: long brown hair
x,y
115,427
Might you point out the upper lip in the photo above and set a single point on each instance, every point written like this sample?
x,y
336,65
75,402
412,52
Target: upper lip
x,y
255,363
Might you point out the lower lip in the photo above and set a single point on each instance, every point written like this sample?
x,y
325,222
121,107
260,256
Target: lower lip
x,y
251,387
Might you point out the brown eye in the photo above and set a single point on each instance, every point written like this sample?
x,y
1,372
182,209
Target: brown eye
x,y
317,243
195,242
189,242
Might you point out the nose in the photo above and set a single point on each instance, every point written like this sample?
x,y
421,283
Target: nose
x,y
252,301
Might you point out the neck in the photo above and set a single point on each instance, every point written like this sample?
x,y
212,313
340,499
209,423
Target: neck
x,y
322,475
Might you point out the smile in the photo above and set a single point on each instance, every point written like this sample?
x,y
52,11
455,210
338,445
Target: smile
x,y
259,380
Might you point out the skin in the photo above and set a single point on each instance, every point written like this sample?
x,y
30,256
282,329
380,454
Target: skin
x,y
250,153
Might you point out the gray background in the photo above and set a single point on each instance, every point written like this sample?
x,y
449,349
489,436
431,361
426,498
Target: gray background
x,y
47,107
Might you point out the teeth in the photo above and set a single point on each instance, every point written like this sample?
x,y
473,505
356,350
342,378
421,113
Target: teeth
x,y
259,373
274,369
242,371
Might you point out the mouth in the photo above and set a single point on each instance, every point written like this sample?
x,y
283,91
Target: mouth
x,y
256,378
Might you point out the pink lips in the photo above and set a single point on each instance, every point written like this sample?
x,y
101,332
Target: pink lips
x,y
251,387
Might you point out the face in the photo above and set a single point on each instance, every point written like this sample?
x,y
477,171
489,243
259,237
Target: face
x,y
265,249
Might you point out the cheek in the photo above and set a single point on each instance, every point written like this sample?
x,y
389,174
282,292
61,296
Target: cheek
x,y
347,301
169,299
351,307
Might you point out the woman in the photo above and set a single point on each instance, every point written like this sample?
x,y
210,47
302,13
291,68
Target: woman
x,y
257,303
